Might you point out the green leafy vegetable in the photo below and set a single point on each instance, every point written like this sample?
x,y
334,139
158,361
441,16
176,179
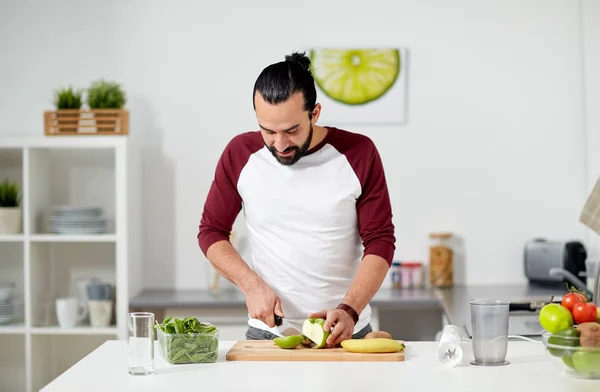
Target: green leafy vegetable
x,y
188,340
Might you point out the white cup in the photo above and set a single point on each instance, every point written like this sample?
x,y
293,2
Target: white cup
x,y
100,312
69,312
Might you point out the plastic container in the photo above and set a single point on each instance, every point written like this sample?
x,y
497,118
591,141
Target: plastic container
x,y
189,347
574,356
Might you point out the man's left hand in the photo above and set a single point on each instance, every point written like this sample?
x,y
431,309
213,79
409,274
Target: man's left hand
x,y
340,321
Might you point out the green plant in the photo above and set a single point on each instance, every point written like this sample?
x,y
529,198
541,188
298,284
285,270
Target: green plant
x,y
9,194
106,95
67,98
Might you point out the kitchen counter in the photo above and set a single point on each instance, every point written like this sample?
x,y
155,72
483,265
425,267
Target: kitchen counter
x,y
234,298
530,369
413,313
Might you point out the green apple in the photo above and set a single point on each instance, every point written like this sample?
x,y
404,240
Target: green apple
x,y
587,363
555,318
313,329
288,341
568,360
567,338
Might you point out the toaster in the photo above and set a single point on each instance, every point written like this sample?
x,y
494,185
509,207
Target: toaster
x,y
540,255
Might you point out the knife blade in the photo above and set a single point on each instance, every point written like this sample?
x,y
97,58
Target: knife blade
x,y
286,329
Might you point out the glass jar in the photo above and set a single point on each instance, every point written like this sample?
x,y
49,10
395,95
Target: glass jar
x,y
441,260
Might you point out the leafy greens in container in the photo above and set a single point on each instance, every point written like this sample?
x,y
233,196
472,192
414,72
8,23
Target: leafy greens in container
x,y
188,340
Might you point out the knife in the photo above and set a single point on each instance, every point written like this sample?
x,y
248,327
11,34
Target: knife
x,y
289,330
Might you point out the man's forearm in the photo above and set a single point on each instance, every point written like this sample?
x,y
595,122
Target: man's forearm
x,y
228,262
369,277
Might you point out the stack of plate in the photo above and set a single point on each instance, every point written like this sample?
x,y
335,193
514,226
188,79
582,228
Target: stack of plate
x,y
8,304
77,220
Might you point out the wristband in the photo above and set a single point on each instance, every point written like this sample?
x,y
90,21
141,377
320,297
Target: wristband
x,y
348,309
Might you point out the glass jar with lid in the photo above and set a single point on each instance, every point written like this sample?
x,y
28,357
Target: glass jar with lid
x,y
441,260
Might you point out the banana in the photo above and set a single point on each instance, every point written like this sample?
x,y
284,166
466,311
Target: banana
x,y
374,345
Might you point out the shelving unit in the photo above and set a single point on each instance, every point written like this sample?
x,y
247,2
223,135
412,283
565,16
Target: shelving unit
x,y
78,171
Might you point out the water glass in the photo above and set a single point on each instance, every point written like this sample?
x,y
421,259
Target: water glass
x,y
489,321
140,343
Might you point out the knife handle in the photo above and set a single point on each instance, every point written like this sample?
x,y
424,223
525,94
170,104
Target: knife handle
x,y
278,320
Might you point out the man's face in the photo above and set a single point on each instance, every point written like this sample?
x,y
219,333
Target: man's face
x,y
286,128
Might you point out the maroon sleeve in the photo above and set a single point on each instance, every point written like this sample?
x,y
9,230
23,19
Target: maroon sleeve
x,y
373,206
224,202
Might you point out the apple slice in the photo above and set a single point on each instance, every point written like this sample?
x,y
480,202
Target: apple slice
x,y
313,329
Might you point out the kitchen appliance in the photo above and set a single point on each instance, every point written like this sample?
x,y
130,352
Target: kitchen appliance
x,y
266,350
541,255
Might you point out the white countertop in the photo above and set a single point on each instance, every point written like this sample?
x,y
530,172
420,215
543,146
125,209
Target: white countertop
x,y
530,369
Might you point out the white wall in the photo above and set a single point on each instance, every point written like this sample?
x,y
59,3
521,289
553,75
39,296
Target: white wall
x,y
493,149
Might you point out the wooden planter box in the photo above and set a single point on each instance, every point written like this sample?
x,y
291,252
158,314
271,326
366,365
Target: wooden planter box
x,y
86,122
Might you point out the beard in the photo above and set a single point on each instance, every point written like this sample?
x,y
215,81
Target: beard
x,y
299,152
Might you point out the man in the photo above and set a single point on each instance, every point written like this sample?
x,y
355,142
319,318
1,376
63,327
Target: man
x,y
313,197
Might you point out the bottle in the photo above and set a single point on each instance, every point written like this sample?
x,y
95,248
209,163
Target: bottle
x,y
441,260
395,275
418,278
406,271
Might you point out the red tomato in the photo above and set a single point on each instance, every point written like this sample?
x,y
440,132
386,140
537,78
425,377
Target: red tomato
x,y
584,312
571,300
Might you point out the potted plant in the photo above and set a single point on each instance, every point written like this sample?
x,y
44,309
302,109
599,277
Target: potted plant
x,y
68,103
10,208
67,98
106,114
106,100
106,95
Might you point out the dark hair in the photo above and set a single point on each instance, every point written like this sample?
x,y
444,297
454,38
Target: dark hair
x,y
277,82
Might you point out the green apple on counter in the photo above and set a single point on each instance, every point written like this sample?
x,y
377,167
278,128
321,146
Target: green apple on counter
x,y
313,329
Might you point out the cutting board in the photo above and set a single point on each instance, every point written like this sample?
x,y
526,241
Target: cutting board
x,y
266,350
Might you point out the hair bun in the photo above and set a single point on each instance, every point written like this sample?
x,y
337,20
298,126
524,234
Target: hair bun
x,y
299,58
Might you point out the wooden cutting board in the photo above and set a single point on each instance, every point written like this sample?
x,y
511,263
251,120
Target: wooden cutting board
x,y
266,350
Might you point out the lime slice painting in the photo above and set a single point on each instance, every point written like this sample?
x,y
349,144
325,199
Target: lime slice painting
x,y
360,85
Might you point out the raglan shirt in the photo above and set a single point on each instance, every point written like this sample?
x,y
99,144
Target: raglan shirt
x,y
309,224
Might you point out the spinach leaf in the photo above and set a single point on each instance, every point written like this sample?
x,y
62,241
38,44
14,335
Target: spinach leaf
x,y
188,340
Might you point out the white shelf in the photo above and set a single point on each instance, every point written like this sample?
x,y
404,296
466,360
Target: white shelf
x,y
66,170
11,237
55,330
12,329
73,238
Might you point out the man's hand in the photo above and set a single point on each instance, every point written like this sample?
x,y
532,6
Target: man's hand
x,y
262,303
340,321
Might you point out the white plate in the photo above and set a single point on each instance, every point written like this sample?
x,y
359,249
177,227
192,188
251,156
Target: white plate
x,y
92,230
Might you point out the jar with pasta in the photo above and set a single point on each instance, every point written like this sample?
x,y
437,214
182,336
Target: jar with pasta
x,y
441,260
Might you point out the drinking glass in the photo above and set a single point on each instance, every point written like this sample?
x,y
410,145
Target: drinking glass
x,y
489,321
140,342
